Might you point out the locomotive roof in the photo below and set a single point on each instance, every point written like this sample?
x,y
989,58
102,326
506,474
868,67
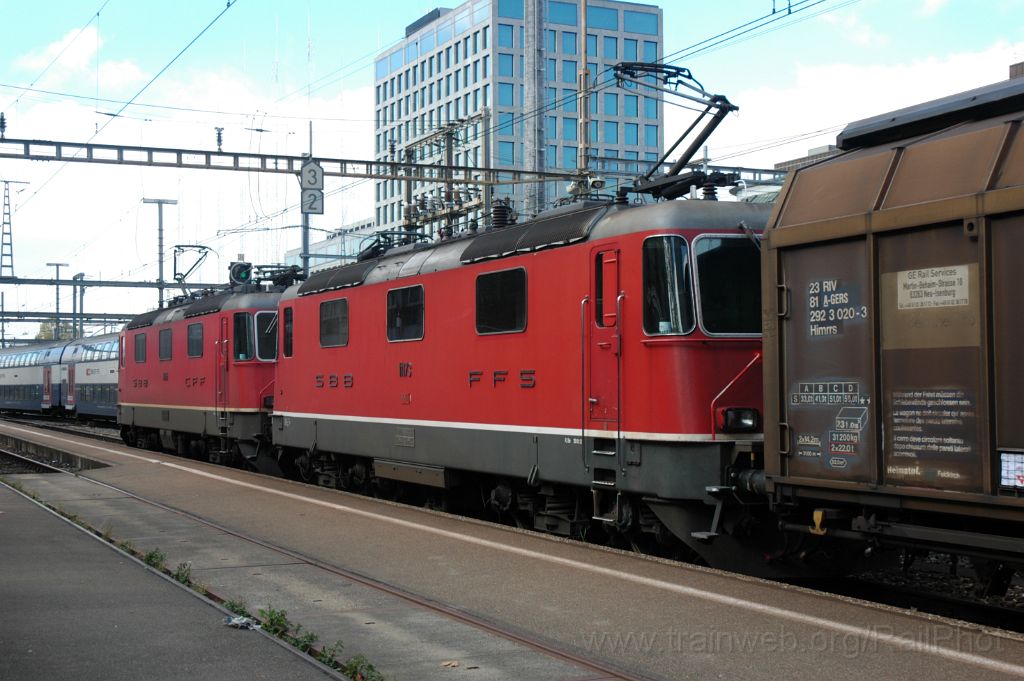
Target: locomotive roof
x,y
231,300
559,227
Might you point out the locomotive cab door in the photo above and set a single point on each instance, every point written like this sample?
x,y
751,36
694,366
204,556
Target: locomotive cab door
x,y
604,344
221,371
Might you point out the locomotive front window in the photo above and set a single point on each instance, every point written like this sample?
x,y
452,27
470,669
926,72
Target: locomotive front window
x,y
729,284
668,288
243,337
334,323
266,336
405,313
501,302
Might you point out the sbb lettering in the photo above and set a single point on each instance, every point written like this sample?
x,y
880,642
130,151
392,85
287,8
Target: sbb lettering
x,y
333,381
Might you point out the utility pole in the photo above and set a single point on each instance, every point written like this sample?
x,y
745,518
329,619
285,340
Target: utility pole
x,y
56,278
584,101
77,304
6,235
160,243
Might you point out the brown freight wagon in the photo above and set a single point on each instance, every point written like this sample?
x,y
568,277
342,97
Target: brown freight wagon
x,y
894,333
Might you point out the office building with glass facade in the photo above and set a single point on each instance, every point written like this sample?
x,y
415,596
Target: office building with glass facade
x,y
511,67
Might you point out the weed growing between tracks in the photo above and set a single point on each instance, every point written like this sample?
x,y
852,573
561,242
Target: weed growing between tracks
x,y
273,621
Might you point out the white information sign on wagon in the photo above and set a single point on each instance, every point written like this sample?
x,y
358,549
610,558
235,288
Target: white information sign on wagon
x,y
932,287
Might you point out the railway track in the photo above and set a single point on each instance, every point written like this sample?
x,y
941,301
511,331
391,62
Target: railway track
x,y
877,588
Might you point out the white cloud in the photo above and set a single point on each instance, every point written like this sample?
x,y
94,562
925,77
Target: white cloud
x,y
930,8
77,52
832,95
851,28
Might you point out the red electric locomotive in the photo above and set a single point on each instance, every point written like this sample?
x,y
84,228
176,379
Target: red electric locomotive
x,y
601,362
195,378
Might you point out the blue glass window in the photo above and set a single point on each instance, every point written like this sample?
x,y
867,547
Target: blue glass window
x,y
463,22
569,127
592,127
562,13
569,158
630,104
505,35
506,94
603,17
611,132
651,135
640,22
591,45
569,98
550,127
550,94
510,9
611,47
628,49
505,122
650,51
427,41
650,107
505,62
396,61
632,133
549,40
568,42
380,69
506,153
549,69
412,52
611,104
444,32
550,156
568,71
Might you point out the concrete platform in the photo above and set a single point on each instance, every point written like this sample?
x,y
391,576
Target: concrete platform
x,y
654,619
73,608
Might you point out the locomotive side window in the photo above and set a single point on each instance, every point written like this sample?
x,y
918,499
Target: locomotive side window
x,y
501,302
164,349
140,347
266,336
405,313
243,340
729,284
668,289
334,323
194,336
289,329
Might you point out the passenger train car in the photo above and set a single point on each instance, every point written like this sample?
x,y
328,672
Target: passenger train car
x,y
77,378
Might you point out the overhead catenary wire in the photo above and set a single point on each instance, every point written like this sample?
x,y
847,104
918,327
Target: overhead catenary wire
x,y
228,6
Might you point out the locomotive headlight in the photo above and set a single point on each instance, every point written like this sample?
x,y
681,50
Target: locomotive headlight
x,y
738,420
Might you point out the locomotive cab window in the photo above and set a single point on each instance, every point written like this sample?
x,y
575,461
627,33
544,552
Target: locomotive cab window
x,y
501,302
266,336
195,340
729,284
140,347
668,287
405,313
334,323
164,349
242,347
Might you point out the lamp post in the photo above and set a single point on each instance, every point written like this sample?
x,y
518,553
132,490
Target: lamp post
x,y
56,278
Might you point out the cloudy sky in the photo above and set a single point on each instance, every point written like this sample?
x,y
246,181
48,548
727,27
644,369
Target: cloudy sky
x,y
264,69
